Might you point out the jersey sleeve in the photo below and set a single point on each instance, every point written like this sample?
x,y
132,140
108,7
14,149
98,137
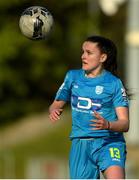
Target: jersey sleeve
x,y
120,98
64,92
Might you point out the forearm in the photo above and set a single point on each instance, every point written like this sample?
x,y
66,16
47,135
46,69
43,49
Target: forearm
x,y
55,110
122,123
56,105
119,126
53,107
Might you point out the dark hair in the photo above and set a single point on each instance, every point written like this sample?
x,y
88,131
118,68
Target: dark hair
x,y
108,47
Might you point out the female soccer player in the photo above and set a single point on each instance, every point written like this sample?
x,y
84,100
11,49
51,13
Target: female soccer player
x,y
99,112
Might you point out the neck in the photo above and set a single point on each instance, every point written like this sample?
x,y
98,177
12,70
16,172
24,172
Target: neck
x,y
94,73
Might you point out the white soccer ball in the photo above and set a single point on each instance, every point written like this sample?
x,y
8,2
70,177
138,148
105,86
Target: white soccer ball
x,y
36,22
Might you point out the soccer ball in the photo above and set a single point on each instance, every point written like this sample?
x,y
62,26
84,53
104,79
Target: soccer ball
x,y
36,22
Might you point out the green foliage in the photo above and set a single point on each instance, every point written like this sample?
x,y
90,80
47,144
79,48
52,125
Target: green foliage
x,y
31,71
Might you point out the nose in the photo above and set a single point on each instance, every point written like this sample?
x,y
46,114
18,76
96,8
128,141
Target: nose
x,y
83,55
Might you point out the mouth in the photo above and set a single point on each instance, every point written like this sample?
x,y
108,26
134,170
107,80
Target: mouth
x,y
84,63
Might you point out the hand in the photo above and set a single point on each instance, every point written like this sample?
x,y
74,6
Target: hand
x,y
55,114
99,122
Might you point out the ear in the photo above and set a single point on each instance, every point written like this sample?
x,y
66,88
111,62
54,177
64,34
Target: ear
x,y
103,57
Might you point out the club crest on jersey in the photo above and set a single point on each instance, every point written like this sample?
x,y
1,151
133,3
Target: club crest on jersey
x,y
99,89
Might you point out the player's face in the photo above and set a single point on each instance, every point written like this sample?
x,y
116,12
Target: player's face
x,y
92,58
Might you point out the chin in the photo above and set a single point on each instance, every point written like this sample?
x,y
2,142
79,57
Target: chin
x,y
84,68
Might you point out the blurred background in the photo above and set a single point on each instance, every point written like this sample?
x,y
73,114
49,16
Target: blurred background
x,y
31,72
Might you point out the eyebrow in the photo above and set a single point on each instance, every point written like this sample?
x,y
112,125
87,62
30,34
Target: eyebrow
x,y
88,50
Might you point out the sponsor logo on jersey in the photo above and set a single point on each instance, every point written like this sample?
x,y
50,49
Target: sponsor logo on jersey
x,y
99,89
86,103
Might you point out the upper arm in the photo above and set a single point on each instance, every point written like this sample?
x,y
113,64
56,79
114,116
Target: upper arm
x,y
122,113
120,98
64,92
123,116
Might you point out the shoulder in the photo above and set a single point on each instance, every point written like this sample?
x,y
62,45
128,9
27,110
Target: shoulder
x,y
109,77
74,73
115,83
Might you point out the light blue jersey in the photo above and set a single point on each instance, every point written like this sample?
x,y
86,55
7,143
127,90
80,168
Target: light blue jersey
x,y
103,94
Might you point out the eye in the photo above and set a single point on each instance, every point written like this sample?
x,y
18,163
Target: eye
x,y
89,52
